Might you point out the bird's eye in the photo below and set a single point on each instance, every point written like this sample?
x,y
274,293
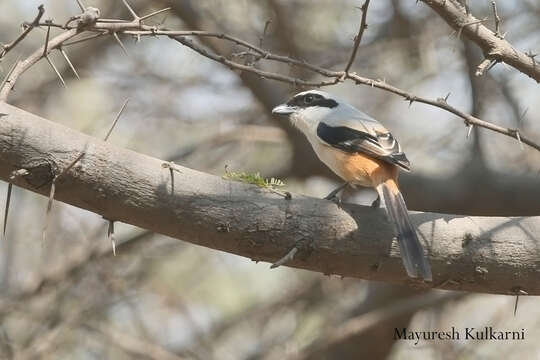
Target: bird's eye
x,y
308,99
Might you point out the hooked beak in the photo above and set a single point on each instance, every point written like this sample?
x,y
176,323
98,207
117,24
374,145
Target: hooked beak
x,y
283,109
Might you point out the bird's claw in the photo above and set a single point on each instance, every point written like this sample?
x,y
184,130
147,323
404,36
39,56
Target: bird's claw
x,y
334,194
376,203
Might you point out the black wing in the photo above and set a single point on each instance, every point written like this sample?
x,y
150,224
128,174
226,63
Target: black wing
x,y
382,145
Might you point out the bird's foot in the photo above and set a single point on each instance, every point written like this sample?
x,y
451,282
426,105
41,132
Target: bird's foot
x,y
376,203
336,199
334,194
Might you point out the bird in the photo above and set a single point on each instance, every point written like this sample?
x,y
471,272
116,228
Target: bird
x,y
361,151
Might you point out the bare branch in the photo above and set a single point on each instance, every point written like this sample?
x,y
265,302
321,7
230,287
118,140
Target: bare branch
x,y
497,20
358,38
11,69
29,27
22,66
136,28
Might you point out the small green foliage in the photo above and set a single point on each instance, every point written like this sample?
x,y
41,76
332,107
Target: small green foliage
x,y
255,179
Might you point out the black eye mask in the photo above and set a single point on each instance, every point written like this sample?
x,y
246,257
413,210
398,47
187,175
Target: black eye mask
x,y
311,99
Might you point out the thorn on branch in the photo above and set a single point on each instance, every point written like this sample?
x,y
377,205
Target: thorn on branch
x,y
484,66
517,291
110,236
446,97
288,257
81,5
64,54
172,168
56,71
469,130
443,100
115,35
131,11
48,211
154,13
531,55
47,38
409,98
518,137
458,36
6,210
521,118
116,120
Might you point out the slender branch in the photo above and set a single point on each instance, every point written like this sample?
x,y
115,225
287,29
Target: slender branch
x,y
263,74
29,27
479,254
358,38
37,55
497,20
136,28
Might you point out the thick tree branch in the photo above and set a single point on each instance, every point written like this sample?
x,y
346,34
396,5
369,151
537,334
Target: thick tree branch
x,y
492,43
496,255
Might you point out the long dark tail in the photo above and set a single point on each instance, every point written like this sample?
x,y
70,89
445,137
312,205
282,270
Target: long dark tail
x,y
412,253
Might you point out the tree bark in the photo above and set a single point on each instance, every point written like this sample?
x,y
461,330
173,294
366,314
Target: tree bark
x,y
481,254
494,46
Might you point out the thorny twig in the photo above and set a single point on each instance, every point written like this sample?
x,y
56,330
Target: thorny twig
x,y
51,195
358,37
497,20
27,28
137,28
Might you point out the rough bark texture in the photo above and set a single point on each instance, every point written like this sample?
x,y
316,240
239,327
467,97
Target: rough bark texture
x,y
482,254
493,45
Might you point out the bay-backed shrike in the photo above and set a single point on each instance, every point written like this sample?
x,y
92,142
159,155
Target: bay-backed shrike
x,y
363,152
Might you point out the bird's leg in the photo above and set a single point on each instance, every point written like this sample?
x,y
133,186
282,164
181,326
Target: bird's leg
x,y
377,202
333,195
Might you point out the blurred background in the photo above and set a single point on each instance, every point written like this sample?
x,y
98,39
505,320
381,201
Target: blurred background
x,y
160,298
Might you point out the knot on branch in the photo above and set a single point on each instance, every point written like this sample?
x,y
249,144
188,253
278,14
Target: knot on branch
x,y
37,172
89,16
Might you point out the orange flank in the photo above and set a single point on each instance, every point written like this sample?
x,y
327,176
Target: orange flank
x,y
368,171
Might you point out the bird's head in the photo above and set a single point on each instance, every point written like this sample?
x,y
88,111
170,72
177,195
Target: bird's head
x,y
308,108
